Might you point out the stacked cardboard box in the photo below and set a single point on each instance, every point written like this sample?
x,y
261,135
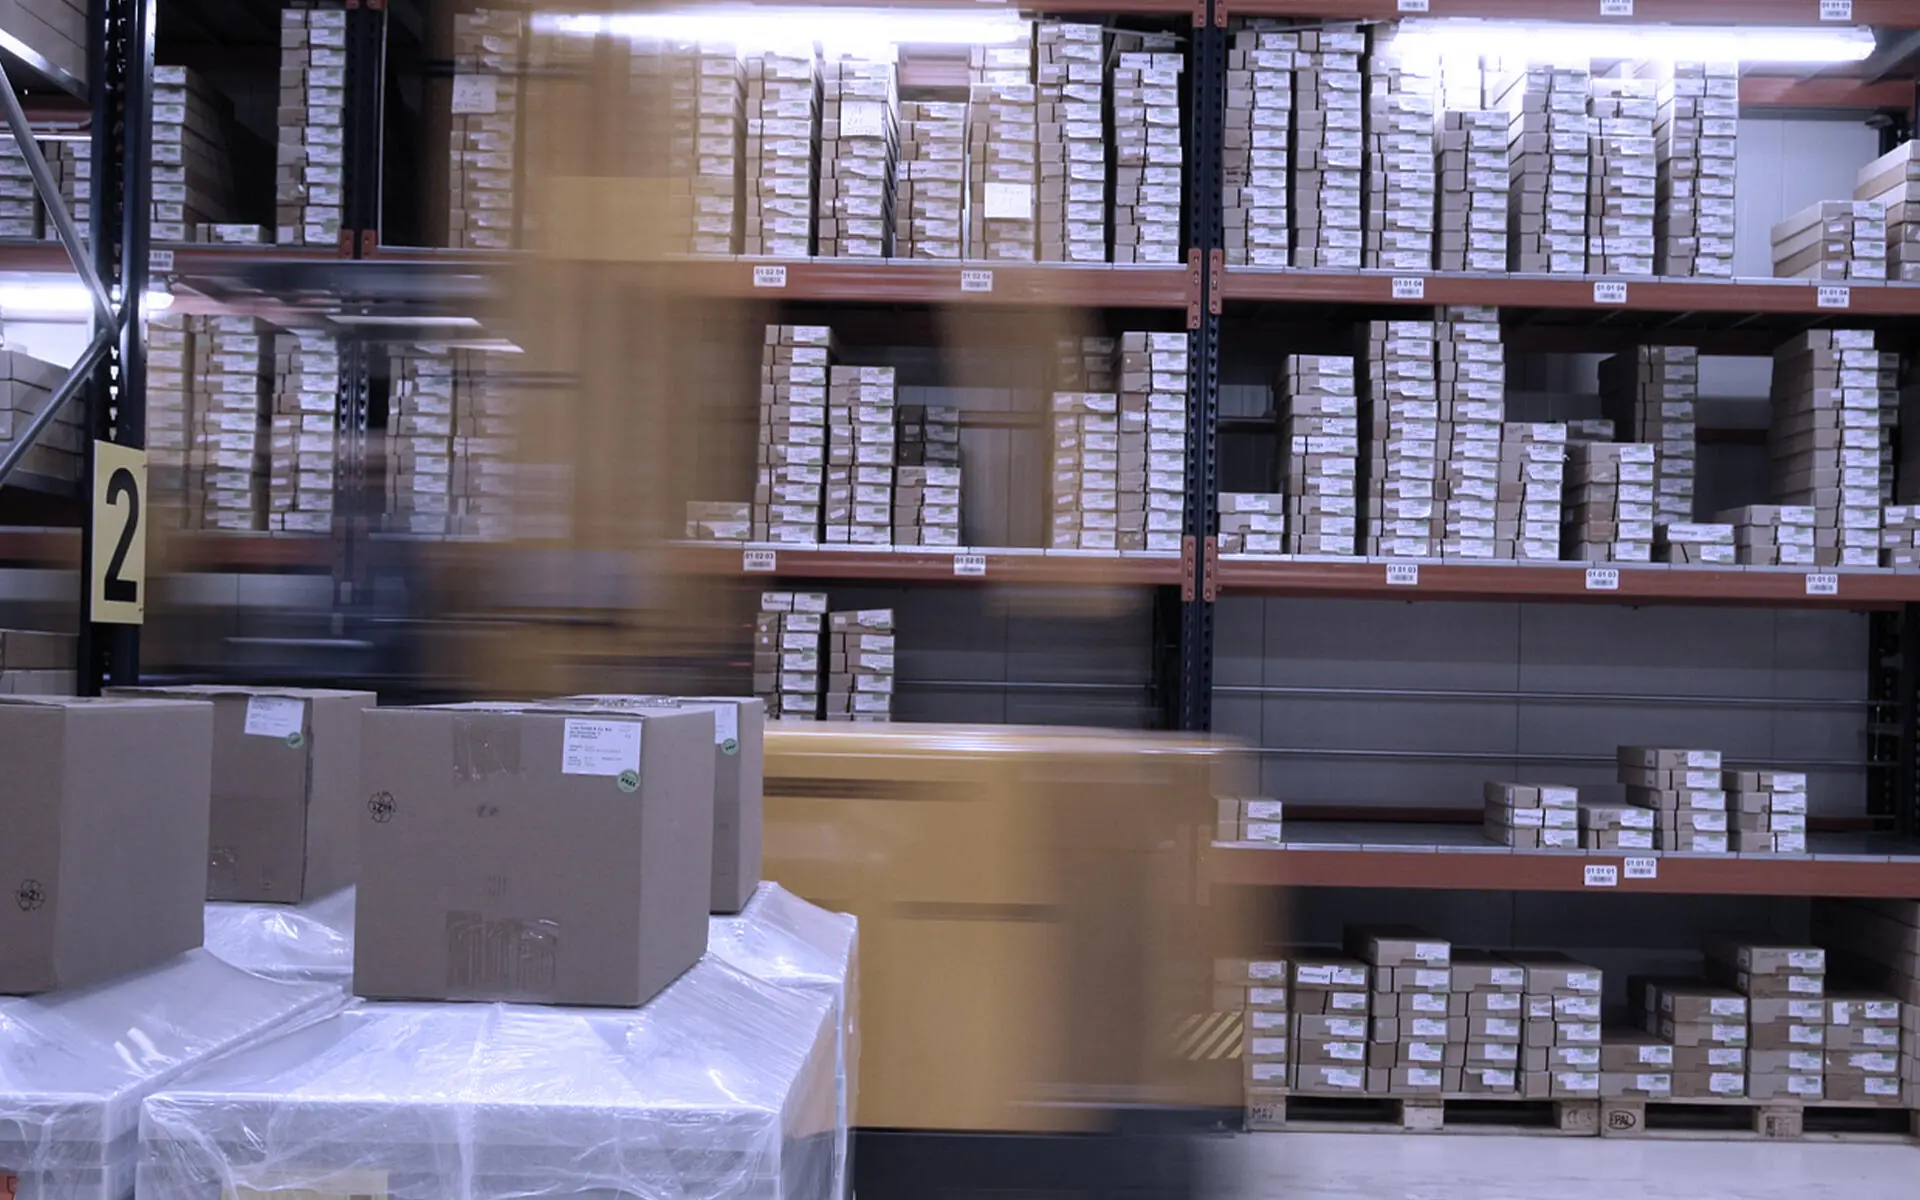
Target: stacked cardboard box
x,y
1003,217
482,192
1707,1028
28,385
1087,364
1257,988
1768,810
1402,181
1550,155
860,651
1476,185
1682,787
1153,415
929,435
1652,393
1085,511
1772,534
793,434
1257,167
1329,148
685,130
306,394
419,439
1492,994
1560,1042
1148,155
782,165
1900,536
1319,413
192,173
1331,1025
926,506
311,118
1863,1059
1609,826
858,146
72,165
1533,816
1832,240
482,475
859,475
20,211
1635,1065
1825,439
1623,176
1533,473
1696,133
1411,1047
1893,182
36,664
1694,542
1253,523
1590,429
1405,510
1609,507
1070,71
719,520
789,667
929,209
1258,820
172,386
1472,377
1878,942
1785,989
230,434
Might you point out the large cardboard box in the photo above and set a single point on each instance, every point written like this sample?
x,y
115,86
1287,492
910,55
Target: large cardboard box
x,y
533,852
286,790
103,858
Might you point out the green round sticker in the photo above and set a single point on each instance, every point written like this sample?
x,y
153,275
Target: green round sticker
x,y
730,746
629,781
296,739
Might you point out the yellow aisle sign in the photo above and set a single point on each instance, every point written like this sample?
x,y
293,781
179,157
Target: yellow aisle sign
x,y
119,567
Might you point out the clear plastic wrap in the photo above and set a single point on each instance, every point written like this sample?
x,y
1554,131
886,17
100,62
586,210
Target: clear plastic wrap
x,y
781,939
75,1065
312,941
721,1086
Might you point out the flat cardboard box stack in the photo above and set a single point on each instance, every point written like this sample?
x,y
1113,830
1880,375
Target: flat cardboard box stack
x,y
1533,476
1003,212
1476,185
1707,1027
1768,811
789,667
1259,132
1635,1065
1411,1047
691,135
192,173
1260,987
1785,987
1863,1059
1549,153
1560,1042
483,476
929,206
20,211
859,142
311,118
29,385
1652,393
1605,825
1402,180
1086,488
230,429
859,487
1878,942
1087,364
482,192
1623,177
306,394
1322,466
718,164
1832,240
1331,1024
1329,150
782,166
1771,534
1153,414
929,435
1590,429
1472,369
926,506
1253,523
860,649
719,520
1682,787
1694,542
1071,74
793,434
1825,439
427,481
1697,131
172,388
1259,820
1405,509
72,167
1532,816
1148,151
1893,182
1492,993
1609,508
36,664
1900,536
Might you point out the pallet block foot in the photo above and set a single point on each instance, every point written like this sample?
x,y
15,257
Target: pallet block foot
x,y
1423,1116
1580,1117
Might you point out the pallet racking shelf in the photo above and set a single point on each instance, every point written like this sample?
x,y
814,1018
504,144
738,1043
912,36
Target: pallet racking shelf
x,y
1896,14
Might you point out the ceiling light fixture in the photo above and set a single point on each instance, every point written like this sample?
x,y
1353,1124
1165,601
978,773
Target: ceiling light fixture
x,y
1554,42
870,32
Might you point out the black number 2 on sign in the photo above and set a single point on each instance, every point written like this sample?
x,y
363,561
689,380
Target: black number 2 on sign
x,y
119,566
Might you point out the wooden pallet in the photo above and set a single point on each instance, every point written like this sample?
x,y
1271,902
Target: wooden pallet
x,y
1448,1113
1756,1120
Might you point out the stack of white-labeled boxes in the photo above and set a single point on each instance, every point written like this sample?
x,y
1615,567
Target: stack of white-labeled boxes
x,y
1609,505
1491,993
1683,789
1405,508
1331,1024
789,662
1695,543
1257,989
419,463
1707,1027
1900,536
1833,240
860,657
1003,176
1533,473
1878,943
172,389
1610,825
1560,1041
714,172
1412,1049
1768,535
485,476
719,520
1863,1059
230,432
1825,439
306,395
1635,1065
1253,523
1475,184
1329,149
33,663
1070,72
1084,511
1622,181
929,435
1696,132
1893,182
20,212
192,174
1785,990
1768,810
483,194
1239,819
1402,182
1319,414
930,201
782,166
793,434
1550,155
1259,133
28,385
1153,414
1652,393
1470,364
311,119
858,147
926,496
860,449
1532,816
1148,150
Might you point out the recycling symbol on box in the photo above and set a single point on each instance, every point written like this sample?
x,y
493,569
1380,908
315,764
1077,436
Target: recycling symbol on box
x,y
380,807
30,896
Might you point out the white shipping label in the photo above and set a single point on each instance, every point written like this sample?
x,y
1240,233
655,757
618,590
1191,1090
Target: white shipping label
x,y
863,118
1266,970
726,725
1415,287
275,716
1266,995
1403,574
1009,201
976,281
769,277
475,94
1603,579
600,747
1643,868
1268,1045
759,560
1823,585
1833,297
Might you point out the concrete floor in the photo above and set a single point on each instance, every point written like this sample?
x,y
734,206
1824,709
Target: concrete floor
x,y
1363,1166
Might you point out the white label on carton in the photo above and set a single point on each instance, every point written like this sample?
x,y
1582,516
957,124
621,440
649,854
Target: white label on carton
x,y
1807,960
1266,995
1805,984
726,724
976,281
759,560
1836,10
1428,952
1721,1084
1412,287
1403,574
1009,202
770,277
863,118
1642,868
600,747
1509,976
1823,585
1314,975
475,94
1722,1006
160,260
1616,8
1610,291
1267,1020
1266,970
1268,1072
1602,875
1729,1033
275,716
1833,296
1269,1045
971,565
1583,981
1603,579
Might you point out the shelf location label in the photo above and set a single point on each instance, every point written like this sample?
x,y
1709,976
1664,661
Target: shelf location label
x,y
1403,574
769,277
760,560
1823,585
1610,291
159,260
1836,10
1643,868
1833,296
1616,8
1603,875
1414,6
976,281
974,565
1603,579
1412,287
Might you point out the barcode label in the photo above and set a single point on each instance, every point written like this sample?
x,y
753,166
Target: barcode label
x,y
159,260
1831,296
769,277
1603,579
1836,10
1414,6
1602,875
1412,287
976,281
1616,8
970,564
1823,585
759,560
1403,574
1610,291
1642,868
